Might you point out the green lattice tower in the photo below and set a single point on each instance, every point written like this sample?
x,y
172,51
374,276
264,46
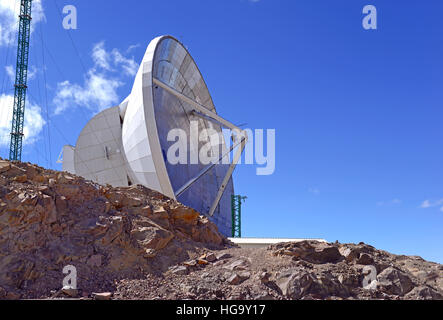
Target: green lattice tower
x,y
236,203
21,79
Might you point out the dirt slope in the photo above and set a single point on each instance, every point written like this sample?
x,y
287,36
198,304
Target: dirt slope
x,y
137,244
49,220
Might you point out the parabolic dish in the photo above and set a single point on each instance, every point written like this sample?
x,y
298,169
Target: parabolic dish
x,y
128,144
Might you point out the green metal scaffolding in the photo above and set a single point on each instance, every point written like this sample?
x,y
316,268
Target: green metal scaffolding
x,y
236,204
21,79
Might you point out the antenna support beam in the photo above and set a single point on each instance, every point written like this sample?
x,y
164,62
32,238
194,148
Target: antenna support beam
x,y
205,111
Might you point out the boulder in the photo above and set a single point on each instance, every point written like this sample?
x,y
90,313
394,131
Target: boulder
x,y
423,293
69,291
365,259
223,256
179,270
294,285
239,264
395,282
237,278
210,257
102,296
310,251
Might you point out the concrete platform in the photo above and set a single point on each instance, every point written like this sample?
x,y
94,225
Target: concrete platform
x,y
264,242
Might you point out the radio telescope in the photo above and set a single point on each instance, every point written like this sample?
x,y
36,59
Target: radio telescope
x,y
128,144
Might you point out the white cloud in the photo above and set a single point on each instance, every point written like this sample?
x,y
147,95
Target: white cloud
x,y
103,59
132,47
431,204
426,204
38,13
314,191
8,5
100,56
9,11
129,66
34,121
98,93
8,21
10,72
99,90
392,202
32,73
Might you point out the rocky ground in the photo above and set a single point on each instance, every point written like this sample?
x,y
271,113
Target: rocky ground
x,y
134,243
304,270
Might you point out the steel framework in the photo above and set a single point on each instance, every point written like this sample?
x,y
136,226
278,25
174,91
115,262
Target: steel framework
x,y
241,140
21,79
236,215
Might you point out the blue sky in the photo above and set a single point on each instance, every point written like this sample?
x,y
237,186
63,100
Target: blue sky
x,y
357,112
